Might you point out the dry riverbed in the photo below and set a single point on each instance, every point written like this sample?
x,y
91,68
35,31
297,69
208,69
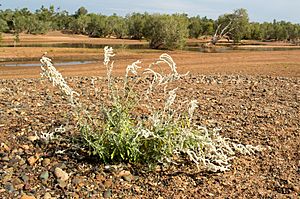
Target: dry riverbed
x,y
253,96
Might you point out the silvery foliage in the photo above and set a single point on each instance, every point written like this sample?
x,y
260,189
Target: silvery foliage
x,y
205,148
48,136
50,72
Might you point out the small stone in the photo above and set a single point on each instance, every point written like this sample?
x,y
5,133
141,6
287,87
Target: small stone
x,y
22,161
107,193
100,178
127,178
44,175
19,186
75,196
25,147
7,178
27,186
62,184
47,196
32,160
46,162
5,147
60,174
32,138
108,183
15,151
49,97
126,175
27,197
17,181
9,187
76,181
14,161
5,159
25,178
296,189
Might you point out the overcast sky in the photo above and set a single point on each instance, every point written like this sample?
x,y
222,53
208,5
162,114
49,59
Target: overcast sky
x,y
258,10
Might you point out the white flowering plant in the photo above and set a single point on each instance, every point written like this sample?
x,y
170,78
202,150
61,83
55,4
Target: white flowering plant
x,y
162,133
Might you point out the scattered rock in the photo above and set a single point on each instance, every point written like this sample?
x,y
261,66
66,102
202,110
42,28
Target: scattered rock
x,y
232,107
5,147
126,175
44,175
62,184
60,174
76,181
9,187
47,196
127,178
46,162
27,197
107,193
108,183
22,161
25,178
18,184
7,177
5,159
25,147
32,138
32,160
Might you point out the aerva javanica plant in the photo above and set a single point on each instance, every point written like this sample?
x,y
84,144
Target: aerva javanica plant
x,y
165,135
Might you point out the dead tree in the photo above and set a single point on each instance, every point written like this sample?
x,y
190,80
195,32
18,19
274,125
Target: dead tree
x,y
219,34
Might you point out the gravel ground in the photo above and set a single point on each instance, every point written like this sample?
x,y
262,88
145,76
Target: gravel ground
x,y
257,110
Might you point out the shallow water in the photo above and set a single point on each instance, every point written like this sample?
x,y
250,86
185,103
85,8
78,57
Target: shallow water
x,y
81,45
191,47
66,63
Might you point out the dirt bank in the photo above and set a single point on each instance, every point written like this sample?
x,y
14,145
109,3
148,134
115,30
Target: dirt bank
x,y
273,63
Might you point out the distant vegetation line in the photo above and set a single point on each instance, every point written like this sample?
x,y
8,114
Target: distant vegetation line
x,y
161,30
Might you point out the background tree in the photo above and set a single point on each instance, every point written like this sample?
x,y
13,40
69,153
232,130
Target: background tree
x,y
96,25
62,20
166,31
240,25
136,23
3,25
80,24
116,26
207,26
195,27
45,19
81,11
234,26
254,31
7,16
161,30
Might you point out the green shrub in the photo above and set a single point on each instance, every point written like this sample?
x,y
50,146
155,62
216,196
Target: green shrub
x,y
166,31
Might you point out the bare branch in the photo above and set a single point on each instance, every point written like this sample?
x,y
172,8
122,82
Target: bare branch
x,y
226,27
226,30
216,33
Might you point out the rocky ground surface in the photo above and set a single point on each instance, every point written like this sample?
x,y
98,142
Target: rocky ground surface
x,y
257,110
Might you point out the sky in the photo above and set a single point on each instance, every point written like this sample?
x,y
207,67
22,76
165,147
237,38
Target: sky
x,y
258,10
